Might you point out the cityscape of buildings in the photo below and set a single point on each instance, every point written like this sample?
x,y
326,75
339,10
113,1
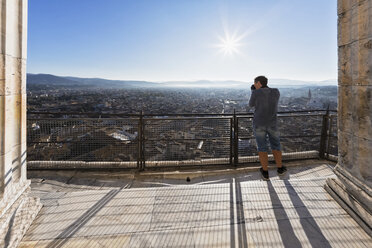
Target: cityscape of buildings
x,y
112,138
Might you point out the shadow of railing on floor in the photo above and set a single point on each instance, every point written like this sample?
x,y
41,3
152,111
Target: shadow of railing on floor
x,y
61,239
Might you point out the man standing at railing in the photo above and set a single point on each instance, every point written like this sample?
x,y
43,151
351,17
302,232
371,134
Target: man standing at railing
x,y
265,101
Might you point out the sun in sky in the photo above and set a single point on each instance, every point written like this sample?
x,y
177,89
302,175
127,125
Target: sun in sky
x,y
230,44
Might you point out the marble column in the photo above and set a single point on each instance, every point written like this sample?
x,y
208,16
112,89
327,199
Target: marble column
x,y
17,209
353,186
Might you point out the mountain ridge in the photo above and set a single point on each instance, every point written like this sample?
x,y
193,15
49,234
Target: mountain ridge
x,y
69,81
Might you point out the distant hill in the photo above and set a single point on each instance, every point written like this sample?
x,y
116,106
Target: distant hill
x,y
47,79
100,82
51,80
299,83
207,84
281,83
37,80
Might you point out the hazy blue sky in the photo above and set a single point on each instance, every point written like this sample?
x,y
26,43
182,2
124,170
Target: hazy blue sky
x,y
164,40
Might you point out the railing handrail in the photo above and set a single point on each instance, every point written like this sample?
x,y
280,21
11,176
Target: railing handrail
x,y
171,114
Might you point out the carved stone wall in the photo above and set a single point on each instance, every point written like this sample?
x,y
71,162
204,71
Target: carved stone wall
x,y
354,170
16,213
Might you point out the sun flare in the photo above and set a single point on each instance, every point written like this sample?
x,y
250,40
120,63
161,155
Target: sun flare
x,y
229,44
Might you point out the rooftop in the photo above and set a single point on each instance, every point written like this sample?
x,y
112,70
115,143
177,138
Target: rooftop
x,y
215,208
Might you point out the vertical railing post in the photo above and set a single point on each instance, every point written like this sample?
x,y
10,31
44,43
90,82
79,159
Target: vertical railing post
x,y
231,140
139,141
140,153
329,135
236,140
323,137
143,143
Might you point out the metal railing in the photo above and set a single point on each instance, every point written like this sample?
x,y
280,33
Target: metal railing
x,y
329,141
148,140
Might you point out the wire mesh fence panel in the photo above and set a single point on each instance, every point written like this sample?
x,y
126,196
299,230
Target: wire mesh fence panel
x,y
332,136
175,140
191,139
246,140
291,144
87,139
300,125
298,133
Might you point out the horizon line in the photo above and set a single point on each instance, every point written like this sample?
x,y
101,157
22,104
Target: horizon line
x,y
185,80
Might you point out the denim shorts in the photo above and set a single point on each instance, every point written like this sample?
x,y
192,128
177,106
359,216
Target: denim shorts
x,y
262,133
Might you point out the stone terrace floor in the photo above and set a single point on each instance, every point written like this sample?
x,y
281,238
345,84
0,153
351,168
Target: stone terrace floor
x,y
217,208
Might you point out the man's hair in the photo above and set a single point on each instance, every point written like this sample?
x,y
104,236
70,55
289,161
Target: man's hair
x,y
262,80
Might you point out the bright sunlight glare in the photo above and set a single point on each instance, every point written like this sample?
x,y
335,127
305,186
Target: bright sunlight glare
x,y
230,44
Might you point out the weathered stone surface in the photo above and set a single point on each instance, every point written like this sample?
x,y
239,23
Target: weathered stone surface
x,y
355,156
355,96
23,156
344,64
345,110
2,124
12,135
342,194
2,175
12,75
355,64
2,73
355,103
13,30
23,28
361,192
364,160
2,27
364,20
14,223
346,150
356,59
19,162
344,27
17,210
354,21
362,113
344,5
23,73
362,57
6,173
11,194
355,110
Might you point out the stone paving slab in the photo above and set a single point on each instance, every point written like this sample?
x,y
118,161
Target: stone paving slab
x,y
230,211
45,181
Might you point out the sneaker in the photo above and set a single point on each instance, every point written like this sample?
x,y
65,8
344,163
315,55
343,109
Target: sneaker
x,y
264,174
282,170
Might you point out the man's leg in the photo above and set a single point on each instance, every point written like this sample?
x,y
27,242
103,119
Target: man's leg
x,y
278,158
260,134
276,148
264,160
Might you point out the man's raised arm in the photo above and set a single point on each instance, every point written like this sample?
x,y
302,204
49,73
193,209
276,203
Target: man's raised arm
x,y
252,100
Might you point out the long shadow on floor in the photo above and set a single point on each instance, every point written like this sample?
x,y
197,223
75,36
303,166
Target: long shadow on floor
x,y
80,222
311,228
242,235
309,225
238,204
287,234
